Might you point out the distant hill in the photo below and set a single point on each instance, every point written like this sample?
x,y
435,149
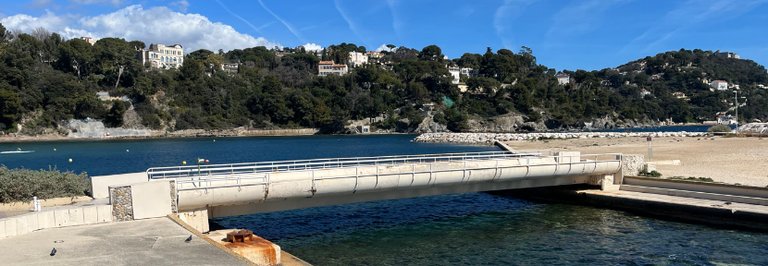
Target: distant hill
x,y
46,80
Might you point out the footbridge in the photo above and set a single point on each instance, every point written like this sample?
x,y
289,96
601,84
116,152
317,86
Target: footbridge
x,y
200,192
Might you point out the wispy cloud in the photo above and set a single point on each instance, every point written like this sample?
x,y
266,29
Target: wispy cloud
x,y
181,5
583,17
352,25
396,22
242,19
40,3
267,24
287,25
692,13
114,3
505,15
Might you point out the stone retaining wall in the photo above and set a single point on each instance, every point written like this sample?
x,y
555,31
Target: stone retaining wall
x,y
490,138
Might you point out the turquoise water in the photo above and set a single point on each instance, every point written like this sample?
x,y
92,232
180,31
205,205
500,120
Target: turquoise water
x,y
461,229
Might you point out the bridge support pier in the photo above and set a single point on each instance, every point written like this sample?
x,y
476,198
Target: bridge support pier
x,y
197,218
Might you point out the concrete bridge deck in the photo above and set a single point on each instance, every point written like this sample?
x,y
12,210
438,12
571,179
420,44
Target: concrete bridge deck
x,y
247,188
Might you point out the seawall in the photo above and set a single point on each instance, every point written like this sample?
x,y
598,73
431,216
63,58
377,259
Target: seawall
x,y
491,138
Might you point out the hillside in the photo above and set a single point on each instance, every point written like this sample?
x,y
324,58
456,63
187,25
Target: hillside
x,y
46,81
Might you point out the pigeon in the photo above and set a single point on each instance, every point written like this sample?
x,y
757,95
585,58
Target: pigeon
x,y
188,239
53,252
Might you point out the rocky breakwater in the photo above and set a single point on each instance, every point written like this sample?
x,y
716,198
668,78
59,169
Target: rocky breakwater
x,y
491,138
754,128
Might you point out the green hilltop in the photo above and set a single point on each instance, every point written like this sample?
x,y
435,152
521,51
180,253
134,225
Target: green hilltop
x,y
45,80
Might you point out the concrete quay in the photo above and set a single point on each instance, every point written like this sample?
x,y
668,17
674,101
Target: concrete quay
x,y
491,138
157,241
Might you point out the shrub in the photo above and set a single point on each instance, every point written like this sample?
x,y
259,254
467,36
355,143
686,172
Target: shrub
x,y
23,184
654,174
719,128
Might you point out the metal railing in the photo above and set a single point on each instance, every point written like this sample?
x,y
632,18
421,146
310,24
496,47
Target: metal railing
x,y
235,175
296,165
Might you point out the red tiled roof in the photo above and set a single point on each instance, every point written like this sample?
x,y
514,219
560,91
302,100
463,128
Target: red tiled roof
x,y
326,62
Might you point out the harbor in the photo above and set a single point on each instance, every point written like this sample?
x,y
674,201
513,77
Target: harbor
x,y
499,227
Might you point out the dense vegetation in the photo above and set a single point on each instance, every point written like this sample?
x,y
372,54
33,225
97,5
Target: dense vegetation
x,y
23,184
45,79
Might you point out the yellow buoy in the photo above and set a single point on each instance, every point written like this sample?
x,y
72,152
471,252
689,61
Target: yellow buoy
x,y
70,160
54,149
184,162
126,151
214,140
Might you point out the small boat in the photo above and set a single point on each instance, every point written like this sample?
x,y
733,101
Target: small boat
x,y
15,152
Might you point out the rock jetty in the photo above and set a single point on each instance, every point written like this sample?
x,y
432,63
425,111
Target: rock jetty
x,y
491,138
754,128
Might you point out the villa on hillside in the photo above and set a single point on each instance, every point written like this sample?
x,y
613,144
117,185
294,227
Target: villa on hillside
x,y
455,74
356,59
719,85
329,67
727,55
89,40
563,78
161,56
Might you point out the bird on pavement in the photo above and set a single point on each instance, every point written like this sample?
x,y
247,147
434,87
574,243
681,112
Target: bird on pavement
x,y
53,252
188,239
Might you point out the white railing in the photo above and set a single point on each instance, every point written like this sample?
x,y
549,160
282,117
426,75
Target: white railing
x,y
253,174
296,165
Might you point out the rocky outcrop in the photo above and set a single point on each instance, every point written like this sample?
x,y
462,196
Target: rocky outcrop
x,y
490,138
96,129
754,128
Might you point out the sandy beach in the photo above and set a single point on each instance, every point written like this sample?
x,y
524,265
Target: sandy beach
x,y
728,160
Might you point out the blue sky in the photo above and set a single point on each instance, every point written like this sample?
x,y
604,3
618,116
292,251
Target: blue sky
x,y
588,34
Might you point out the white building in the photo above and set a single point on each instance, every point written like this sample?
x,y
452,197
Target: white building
x,y
728,55
88,40
328,67
455,73
563,78
161,56
644,92
356,59
719,85
470,72
373,54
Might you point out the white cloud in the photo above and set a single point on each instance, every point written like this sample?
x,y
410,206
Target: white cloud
x,y
384,47
181,5
312,47
115,3
154,25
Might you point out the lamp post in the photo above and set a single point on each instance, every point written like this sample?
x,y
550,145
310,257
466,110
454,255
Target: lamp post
x,y
736,97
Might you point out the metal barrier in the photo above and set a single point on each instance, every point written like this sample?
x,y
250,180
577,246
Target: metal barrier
x,y
294,165
254,174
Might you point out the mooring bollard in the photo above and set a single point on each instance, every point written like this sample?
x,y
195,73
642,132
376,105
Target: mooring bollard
x,y
36,204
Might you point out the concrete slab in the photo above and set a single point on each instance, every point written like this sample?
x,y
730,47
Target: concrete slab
x,y
2,229
61,217
33,222
157,241
22,225
104,213
75,216
151,199
90,215
46,220
10,227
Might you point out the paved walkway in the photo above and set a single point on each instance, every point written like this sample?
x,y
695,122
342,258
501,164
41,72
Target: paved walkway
x,y
158,241
733,207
